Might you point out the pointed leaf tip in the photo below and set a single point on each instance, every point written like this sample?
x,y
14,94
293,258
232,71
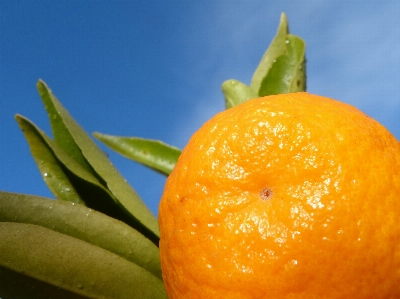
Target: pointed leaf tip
x,y
236,92
282,68
151,153
76,142
50,167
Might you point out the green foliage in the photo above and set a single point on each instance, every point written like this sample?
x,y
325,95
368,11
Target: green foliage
x,y
152,153
99,239
78,165
236,93
287,73
52,258
83,223
281,70
44,151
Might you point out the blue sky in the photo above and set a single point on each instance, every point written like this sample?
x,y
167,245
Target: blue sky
x,y
154,69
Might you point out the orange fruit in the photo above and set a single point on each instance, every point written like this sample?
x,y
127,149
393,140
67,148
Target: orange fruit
x,y
286,196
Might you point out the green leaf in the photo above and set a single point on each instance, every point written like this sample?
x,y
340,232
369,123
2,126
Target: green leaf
x,y
298,64
34,256
152,153
70,175
127,199
275,49
16,285
62,135
236,92
82,223
282,68
287,74
49,166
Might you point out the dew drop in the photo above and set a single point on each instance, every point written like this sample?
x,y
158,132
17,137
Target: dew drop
x,y
266,193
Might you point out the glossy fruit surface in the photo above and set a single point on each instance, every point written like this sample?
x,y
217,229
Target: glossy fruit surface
x,y
286,196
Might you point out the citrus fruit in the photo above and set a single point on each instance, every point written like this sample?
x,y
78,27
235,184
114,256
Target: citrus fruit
x,y
286,196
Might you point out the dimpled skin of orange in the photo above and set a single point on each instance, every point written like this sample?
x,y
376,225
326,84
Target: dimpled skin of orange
x,y
328,229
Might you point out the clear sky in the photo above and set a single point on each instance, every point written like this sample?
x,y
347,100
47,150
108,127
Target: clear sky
x,y
154,69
